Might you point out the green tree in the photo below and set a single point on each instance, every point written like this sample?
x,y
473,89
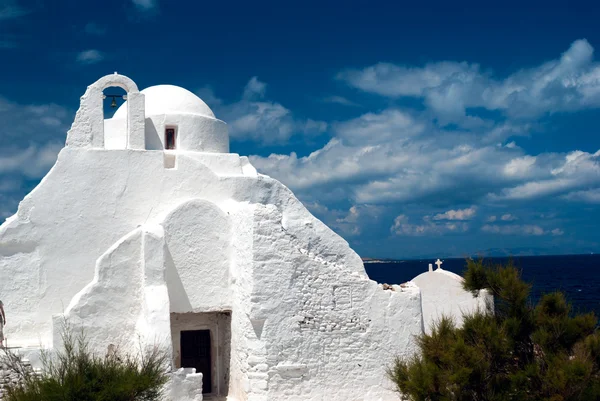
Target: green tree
x,y
517,351
77,374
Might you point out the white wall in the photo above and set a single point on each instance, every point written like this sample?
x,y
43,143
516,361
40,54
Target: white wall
x,y
442,295
318,329
127,303
198,236
293,268
194,132
115,133
80,209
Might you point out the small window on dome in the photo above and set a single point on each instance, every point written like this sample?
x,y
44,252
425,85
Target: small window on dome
x,y
170,137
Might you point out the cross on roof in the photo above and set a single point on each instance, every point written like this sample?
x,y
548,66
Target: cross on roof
x,y
439,263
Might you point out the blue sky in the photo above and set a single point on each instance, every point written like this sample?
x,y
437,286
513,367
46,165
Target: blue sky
x,y
443,128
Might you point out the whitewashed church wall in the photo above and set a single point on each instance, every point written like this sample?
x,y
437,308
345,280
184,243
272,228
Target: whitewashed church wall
x,y
243,339
88,201
223,164
153,326
442,295
184,385
86,204
91,198
194,133
126,306
115,134
107,309
325,331
198,236
299,222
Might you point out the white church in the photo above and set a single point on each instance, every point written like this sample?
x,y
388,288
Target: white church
x,y
147,227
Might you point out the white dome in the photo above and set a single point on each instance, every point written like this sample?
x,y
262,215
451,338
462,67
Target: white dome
x,y
170,99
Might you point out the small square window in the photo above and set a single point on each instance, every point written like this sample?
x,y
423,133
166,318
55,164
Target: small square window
x,y
170,138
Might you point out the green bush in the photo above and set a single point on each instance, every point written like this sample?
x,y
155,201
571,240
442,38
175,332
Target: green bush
x,y
76,374
518,351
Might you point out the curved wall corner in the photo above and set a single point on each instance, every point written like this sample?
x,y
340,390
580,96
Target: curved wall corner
x,y
127,303
198,237
195,133
442,294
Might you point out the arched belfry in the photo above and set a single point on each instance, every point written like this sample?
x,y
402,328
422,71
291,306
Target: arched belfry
x,y
87,130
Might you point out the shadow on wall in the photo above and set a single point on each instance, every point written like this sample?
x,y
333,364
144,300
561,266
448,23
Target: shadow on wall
x,y
178,297
153,141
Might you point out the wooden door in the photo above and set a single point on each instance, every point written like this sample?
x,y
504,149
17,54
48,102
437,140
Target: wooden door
x,y
196,353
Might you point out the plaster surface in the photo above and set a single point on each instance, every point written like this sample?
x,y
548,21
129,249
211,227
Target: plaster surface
x,y
442,295
170,99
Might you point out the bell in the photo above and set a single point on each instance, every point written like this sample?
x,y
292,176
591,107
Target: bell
x,y
114,103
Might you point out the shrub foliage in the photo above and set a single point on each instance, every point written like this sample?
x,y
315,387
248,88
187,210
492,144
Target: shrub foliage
x,y
517,351
77,374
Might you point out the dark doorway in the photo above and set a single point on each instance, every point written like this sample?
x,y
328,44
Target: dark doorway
x,y
195,353
170,138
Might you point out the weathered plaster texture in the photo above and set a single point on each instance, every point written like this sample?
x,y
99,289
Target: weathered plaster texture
x,y
185,385
134,243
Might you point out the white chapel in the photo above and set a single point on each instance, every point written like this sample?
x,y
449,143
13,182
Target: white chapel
x,y
147,227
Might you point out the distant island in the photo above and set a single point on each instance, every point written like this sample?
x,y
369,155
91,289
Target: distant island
x,y
491,253
371,260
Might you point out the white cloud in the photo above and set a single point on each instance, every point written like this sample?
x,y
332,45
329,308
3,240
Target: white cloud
x,y
357,216
508,217
515,229
560,174
403,227
340,100
37,133
392,80
255,89
586,196
402,156
33,136
389,125
519,166
394,156
257,119
571,82
33,162
316,208
459,214
207,94
90,57
40,123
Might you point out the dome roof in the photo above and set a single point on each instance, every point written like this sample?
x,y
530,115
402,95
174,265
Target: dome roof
x,y
170,99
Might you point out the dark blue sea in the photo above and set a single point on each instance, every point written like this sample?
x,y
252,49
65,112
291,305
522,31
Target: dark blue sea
x,y
578,276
